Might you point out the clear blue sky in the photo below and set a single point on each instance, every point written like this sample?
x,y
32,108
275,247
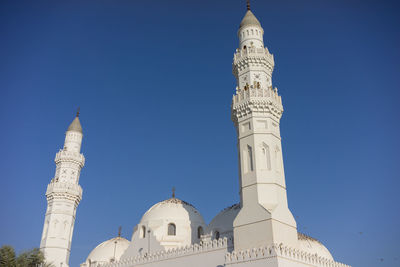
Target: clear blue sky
x,y
153,80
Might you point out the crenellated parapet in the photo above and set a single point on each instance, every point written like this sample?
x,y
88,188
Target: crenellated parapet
x,y
256,100
254,56
70,156
204,247
64,191
280,251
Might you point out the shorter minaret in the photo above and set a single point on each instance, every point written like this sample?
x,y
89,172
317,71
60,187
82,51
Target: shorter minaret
x,y
63,196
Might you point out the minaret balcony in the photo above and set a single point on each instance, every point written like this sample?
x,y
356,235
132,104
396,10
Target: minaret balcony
x,y
245,94
64,190
64,155
253,54
252,99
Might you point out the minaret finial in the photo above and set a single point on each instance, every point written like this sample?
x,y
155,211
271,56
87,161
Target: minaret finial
x,y
119,231
173,192
248,4
77,112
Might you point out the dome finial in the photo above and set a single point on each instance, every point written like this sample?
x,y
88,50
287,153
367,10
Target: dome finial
x,y
173,192
119,231
248,4
77,112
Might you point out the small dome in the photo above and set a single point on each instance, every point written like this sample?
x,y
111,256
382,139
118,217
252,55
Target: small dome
x,y
173,223
223,222
108,251
75,125
249,19
313,246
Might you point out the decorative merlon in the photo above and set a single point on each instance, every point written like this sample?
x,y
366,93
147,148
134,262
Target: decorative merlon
x,y
280,251
222,243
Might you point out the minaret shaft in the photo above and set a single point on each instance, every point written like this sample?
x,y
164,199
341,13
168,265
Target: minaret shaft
x,y
63,196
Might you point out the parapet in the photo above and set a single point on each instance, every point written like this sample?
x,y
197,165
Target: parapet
x,y
280,251
253,99
64,191
202,247
71,156
243,57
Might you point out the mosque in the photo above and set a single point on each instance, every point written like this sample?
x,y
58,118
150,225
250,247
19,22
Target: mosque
x,y
258,231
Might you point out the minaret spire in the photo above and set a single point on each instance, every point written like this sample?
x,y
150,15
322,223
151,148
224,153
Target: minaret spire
x,y
248,4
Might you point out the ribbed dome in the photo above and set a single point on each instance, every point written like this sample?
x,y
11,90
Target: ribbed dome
x,y
249,19
313,246
75,125
105,251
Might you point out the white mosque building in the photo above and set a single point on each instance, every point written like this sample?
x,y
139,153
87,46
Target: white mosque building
x,y
259,231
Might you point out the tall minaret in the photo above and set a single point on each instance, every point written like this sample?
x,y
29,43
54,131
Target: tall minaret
x,y
63,196
264,217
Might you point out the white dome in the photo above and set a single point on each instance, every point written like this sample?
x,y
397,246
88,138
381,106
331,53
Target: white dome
x,y
223,222
108,251
173,223
313,246
173,208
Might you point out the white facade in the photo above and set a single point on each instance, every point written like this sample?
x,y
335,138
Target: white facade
x,y
259,231
63,196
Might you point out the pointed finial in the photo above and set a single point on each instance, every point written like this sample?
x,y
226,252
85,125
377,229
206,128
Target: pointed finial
x,y
248,4
119,231
173,192
77,113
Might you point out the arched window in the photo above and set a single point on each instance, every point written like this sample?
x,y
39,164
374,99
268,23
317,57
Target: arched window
x,y
53,229
143,231
266,157
64,231
278,159
46,227
216,234
250,158
199,232
171,229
